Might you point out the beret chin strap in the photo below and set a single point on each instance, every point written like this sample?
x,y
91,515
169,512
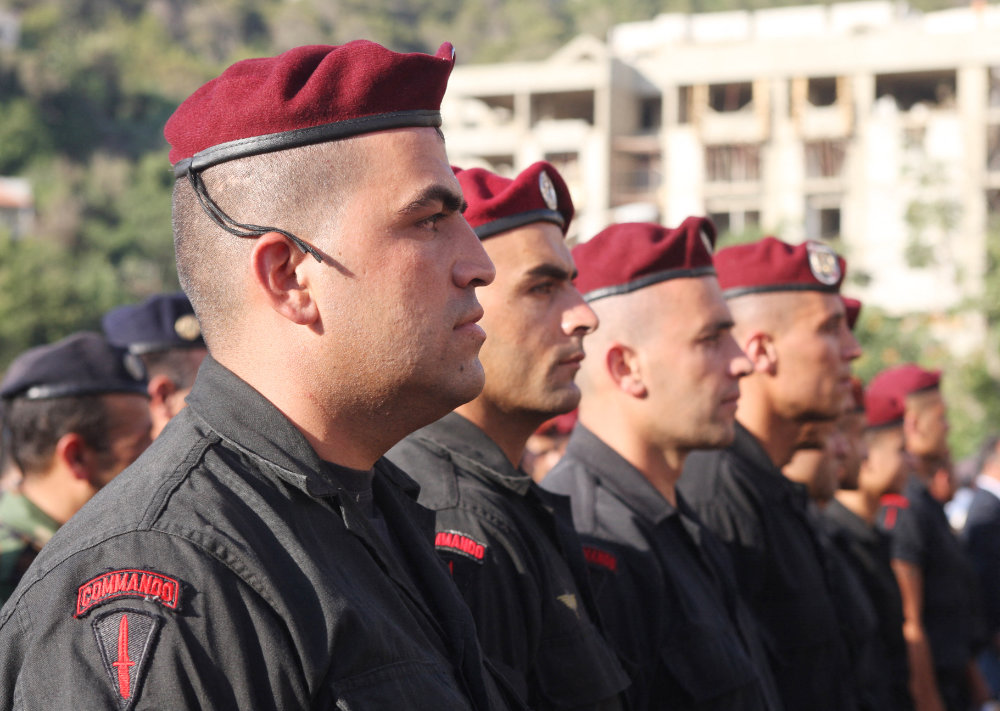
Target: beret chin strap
x,y
240,229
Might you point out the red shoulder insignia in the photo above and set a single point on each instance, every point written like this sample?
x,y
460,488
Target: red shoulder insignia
x,y
455,542
897,500
116,584
125,639
601,558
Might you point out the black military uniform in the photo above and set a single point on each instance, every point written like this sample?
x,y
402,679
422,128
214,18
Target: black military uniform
x,y
516,560
761,516
866,550
870,671
921,535
230,569
665,588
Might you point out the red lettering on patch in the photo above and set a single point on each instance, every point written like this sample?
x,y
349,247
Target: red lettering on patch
x,y
127,583
897,500
455,542
596,556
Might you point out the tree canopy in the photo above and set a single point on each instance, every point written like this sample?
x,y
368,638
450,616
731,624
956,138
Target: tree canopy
x,y
87,88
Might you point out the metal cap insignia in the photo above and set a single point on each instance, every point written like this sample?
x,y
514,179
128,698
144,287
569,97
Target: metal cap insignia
x,y
548,191
187,327
823,263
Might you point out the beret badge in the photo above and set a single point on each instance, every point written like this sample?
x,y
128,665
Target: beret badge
x,y
823,263
548,190
187,327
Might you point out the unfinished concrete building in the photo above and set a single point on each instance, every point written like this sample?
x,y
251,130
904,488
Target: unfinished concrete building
x,y
865,124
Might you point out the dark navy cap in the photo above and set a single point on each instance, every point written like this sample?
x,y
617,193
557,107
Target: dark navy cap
x,y
81,364
159,323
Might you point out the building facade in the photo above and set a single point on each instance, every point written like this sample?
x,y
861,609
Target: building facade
x,y
865,124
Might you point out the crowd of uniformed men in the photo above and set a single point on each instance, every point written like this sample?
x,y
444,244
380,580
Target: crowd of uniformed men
x,y
347,514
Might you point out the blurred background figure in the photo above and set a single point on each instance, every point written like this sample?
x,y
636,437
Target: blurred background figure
x,y
849,522
936,581
164,332
547,445
981,538
75,414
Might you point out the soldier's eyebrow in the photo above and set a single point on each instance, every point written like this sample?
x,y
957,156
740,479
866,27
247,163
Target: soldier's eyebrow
x,y
449,198
715,327
551,271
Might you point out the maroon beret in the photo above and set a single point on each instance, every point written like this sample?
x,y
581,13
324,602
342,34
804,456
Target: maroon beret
x,y
903,380
632,255
852,308
883,409
772,265
498,204
306,95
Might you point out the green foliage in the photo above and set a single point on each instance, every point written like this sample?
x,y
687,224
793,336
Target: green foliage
x,y
84,97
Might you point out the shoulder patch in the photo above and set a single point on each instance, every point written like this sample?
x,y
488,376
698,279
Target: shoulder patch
x,y
897,500
601,558
456,542
116,584
125,639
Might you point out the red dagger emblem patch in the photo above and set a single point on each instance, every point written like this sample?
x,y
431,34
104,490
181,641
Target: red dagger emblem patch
x,y
123,663
126,639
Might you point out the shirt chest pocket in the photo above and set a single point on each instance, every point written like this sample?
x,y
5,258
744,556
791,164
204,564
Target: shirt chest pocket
x,y
706,663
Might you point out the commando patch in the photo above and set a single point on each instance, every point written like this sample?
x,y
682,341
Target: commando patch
x,y
600,558
116,584
455,542
126,639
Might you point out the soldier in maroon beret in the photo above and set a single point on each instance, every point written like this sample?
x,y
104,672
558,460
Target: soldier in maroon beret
x,y
935,578
791,322
264,555
849,521
661,378
509,545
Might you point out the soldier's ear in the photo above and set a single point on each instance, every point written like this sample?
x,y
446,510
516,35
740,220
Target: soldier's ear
x,y
281,277
760,349
72,453
622,364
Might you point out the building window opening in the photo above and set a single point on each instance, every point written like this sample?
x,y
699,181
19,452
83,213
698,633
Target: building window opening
x,y
500,164
650,113
822,91
685,96
935,89
993,204
825,159
822,221
568,165
563,106
993,148
730,97
732,163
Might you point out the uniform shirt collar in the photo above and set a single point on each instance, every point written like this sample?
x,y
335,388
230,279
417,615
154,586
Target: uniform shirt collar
x,y
249,421
850,521
618,476
472,449
771,483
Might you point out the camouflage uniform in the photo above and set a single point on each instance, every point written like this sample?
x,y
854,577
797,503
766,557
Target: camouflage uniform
x,y
24,529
